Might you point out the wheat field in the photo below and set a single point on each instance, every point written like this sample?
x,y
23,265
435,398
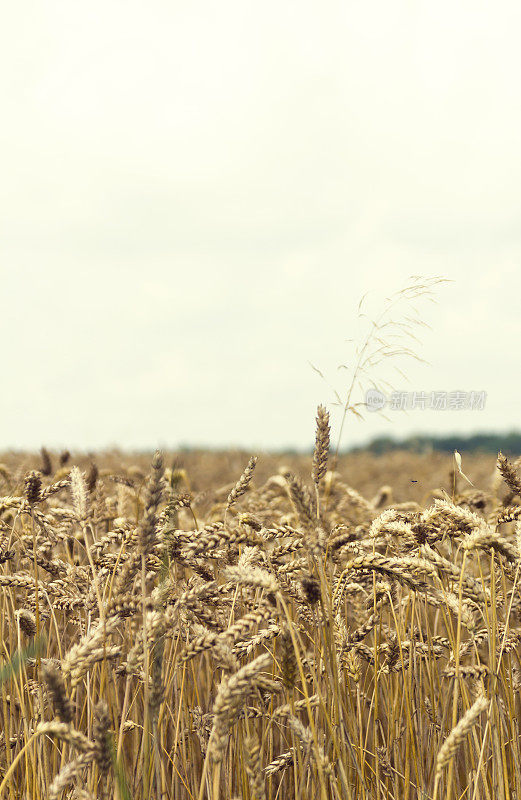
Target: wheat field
x,y
218,626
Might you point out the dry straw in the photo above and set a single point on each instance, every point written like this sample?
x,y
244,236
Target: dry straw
x,y
459,733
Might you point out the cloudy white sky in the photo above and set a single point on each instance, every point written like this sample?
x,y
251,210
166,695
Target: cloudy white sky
x,y
195,196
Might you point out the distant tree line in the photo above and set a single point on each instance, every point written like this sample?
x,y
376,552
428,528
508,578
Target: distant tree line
x,y
508,443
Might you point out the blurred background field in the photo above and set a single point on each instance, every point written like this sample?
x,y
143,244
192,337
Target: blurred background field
x,y
210,475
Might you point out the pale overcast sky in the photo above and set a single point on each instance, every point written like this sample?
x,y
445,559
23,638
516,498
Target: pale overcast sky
x,y
195,196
